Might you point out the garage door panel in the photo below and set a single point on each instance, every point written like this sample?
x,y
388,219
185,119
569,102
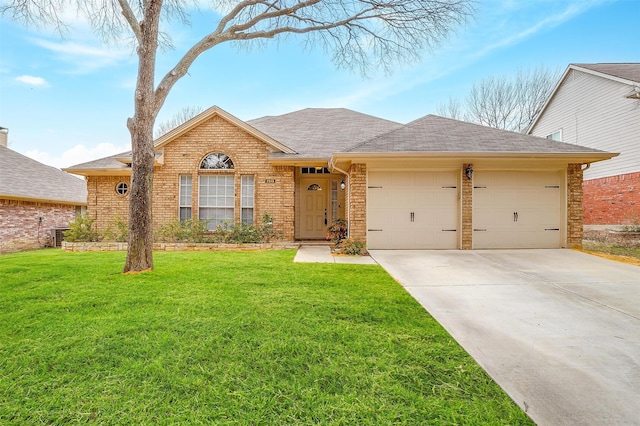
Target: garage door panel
x,y
517,209
541,217
410,210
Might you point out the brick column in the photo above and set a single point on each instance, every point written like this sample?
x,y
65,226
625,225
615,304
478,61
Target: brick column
x,y
287,201
466,190
357,199
574,206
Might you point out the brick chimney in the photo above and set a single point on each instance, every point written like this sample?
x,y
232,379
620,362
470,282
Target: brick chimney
x,y
4,136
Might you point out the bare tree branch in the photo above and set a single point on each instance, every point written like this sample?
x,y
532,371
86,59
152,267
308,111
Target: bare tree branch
x,y
359,34
505,103
180,117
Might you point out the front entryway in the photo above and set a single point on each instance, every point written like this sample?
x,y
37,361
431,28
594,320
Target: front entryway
x,y
313,208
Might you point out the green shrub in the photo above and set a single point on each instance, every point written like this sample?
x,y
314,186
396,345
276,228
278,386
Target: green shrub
x,y
117,231
185,231
195,231
81,229
352,246
267,232
242,233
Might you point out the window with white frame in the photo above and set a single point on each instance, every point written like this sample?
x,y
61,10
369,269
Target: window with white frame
x,y
185,197
555,136
246,199
216,199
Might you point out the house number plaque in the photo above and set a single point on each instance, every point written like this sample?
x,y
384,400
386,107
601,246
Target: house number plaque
x,y
269,181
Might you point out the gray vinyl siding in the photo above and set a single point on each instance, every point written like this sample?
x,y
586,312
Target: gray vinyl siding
x,y
593,111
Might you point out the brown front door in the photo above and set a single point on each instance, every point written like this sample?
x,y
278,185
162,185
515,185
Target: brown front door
x,y
313,209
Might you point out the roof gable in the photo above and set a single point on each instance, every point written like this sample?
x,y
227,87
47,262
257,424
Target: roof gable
x,y
217,111
625,73
24,178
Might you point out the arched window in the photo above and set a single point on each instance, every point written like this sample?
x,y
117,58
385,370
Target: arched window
x,y
314,187
216,161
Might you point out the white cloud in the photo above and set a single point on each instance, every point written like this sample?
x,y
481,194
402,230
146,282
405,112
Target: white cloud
x,y
77,154
85,58
32,80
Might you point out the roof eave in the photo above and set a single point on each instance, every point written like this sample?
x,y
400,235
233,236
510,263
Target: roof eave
x,y
99,172
604,75
298,161
580,157
15,197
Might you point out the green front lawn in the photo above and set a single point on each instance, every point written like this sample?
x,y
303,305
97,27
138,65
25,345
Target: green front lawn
x,y
227,338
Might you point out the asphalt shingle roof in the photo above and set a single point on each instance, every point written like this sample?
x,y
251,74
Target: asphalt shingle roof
x,y
628,71
319,132
22,177
315,133
438,134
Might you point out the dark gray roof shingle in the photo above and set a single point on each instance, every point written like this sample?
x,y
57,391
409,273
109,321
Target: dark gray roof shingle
x,y
106,163
628,71
319,132
22,177
438,134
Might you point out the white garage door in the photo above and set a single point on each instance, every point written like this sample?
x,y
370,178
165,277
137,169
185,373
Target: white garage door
x,y
517,209
412,210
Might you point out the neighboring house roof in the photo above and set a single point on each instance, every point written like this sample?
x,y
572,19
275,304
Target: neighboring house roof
x,y
318,132
22,178
438,134
625,73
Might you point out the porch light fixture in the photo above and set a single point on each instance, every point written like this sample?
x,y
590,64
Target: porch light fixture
x,y
342,185
469,172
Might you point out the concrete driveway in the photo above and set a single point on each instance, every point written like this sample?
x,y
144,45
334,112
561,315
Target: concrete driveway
x,y
559,330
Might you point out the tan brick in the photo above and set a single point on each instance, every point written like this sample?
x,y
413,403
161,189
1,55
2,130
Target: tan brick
x,y
574,206
183,156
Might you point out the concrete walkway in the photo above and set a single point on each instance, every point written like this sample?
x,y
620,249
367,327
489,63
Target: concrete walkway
x,y
322,254
558,330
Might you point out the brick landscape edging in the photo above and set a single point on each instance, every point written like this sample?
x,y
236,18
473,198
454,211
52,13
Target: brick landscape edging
x,y
113,246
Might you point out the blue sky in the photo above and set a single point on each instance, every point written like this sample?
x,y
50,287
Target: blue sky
x,y
66,101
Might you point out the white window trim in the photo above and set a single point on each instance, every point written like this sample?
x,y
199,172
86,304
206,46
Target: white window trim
x,y
200,206
180,194
558,132
253,197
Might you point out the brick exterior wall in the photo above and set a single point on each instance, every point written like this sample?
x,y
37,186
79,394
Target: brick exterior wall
x,y
467,210
20,226
104,205
613,200
357,196
274,185
574,206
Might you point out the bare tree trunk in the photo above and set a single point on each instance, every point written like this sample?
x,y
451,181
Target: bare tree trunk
x,y
140,250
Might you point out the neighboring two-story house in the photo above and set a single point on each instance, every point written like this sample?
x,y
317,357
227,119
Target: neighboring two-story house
x,y
434,183
35,200
598,106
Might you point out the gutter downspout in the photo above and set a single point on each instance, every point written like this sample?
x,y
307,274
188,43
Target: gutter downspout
x,y
586,168
333,167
